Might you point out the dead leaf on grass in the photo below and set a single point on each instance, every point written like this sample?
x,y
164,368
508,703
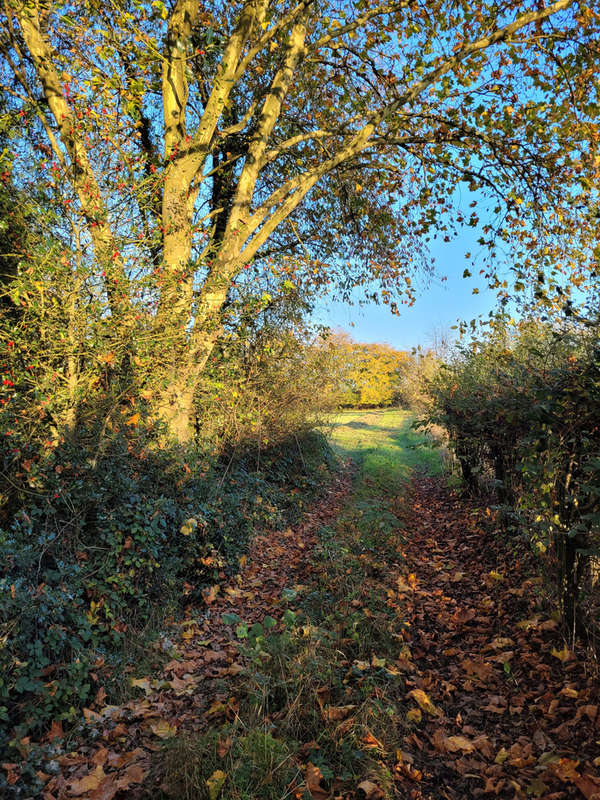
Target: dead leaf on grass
x,y
313,777
371,790
223,746
337,713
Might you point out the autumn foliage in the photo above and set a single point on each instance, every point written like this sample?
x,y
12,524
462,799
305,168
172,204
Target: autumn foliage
x,y
521,408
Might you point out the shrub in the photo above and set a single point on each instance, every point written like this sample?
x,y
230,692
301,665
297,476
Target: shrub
x,y
522,413
103,543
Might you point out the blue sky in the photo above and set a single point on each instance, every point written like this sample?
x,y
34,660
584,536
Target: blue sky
x,y
438,306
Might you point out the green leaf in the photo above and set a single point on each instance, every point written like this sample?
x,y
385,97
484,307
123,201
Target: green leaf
x,y
289,617
230,619
257,630
242,631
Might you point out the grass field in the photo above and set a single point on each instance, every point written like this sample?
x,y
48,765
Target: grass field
x,y
384,444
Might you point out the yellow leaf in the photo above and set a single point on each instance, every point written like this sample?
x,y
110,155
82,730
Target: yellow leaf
x,y
497,576
424,703
456,743
414,715
568,692
133,420
215,783
216,707
142,683
563,655
163,729
189,526
526,624
88,783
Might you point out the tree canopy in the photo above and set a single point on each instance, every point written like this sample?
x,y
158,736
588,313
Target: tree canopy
x,y
193,148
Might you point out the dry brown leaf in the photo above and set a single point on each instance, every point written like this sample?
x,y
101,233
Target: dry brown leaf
x,y
459,743
223,746
337,713
371,790
107,789
100,756
589,786
133,774
370,742
313,777
12,773
55,732
481,669
118,760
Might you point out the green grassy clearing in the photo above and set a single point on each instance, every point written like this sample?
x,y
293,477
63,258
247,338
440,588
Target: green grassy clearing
x,y
384,445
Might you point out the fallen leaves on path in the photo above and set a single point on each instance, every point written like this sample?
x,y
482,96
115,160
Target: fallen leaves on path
x,y
496,705
114,756
520,708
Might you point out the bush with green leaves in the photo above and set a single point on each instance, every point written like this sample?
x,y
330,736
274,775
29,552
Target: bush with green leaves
x,y
522,408
98,545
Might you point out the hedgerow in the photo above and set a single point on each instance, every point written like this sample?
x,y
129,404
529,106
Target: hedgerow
x,y
97,546
522,409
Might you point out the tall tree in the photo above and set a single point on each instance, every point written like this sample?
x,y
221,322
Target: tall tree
x,y
197,139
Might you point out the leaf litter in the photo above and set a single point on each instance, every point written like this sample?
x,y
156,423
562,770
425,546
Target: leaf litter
x,y
496,705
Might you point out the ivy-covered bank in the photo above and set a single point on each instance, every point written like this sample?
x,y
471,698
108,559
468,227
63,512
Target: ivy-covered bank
x,y
103,550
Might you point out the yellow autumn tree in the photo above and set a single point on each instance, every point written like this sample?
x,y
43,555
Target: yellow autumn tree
x,y
371,374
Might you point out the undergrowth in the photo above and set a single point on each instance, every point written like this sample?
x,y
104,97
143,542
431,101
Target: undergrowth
x,y
106,548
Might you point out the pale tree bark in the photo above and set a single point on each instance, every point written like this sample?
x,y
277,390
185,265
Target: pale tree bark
x,y
247,230
188,319
80,170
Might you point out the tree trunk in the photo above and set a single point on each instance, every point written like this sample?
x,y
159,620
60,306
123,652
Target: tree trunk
x,y
175,410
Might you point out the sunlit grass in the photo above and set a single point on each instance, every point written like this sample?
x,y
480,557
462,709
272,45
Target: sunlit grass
x,y
384,444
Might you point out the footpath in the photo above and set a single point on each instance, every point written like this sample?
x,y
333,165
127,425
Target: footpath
x,y
350,658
